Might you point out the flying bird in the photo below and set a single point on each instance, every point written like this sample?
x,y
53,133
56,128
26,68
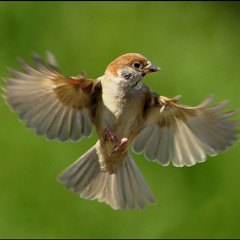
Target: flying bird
x,y
125,113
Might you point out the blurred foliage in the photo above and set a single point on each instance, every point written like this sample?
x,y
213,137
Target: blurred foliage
x,y
197,46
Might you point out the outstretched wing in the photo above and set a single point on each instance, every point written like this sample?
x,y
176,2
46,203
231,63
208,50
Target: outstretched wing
x,y
184,134
55,105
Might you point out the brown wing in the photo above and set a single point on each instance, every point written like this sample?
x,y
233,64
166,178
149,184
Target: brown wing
x,y
51,103
184,134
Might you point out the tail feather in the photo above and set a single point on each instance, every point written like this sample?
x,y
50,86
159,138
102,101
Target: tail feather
x,y
121,189
94,189
78,175
142,185
136,190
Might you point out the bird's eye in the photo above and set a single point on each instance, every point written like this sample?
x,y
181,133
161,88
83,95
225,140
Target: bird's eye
x,y
136,64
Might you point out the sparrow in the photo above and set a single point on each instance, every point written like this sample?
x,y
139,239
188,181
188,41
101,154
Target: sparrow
x,y
126,113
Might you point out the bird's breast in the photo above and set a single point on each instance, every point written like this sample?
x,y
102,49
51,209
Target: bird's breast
x,y
122,113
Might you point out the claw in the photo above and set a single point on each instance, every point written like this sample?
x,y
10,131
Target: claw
x,y
119,146
110,135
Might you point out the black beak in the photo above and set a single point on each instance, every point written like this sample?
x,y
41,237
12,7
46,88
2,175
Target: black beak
x,y
151,68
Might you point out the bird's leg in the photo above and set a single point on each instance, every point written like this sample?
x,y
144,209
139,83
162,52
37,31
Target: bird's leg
x,y
119,146
110,135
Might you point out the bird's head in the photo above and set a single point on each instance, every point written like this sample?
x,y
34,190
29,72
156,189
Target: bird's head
x,y
130,68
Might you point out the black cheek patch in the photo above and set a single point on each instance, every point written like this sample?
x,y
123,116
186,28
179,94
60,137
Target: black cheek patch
x,y
126,75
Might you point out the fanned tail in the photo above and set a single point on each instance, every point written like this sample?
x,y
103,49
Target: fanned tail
x,y
121,189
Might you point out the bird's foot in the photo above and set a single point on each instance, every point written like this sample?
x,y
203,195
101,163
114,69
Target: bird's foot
x,y
119,146
110,135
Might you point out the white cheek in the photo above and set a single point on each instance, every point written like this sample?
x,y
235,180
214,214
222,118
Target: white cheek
x,y
116,79
119,72
112,78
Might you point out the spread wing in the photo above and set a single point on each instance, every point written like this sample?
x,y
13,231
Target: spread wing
x,y
184,134
55,105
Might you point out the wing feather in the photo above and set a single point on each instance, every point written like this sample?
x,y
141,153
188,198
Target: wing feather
x,y
51,103
184,134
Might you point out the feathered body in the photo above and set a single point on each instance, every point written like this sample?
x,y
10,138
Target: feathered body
x,y
124,112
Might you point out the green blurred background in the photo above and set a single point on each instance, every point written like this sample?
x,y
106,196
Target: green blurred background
x,y
197,45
